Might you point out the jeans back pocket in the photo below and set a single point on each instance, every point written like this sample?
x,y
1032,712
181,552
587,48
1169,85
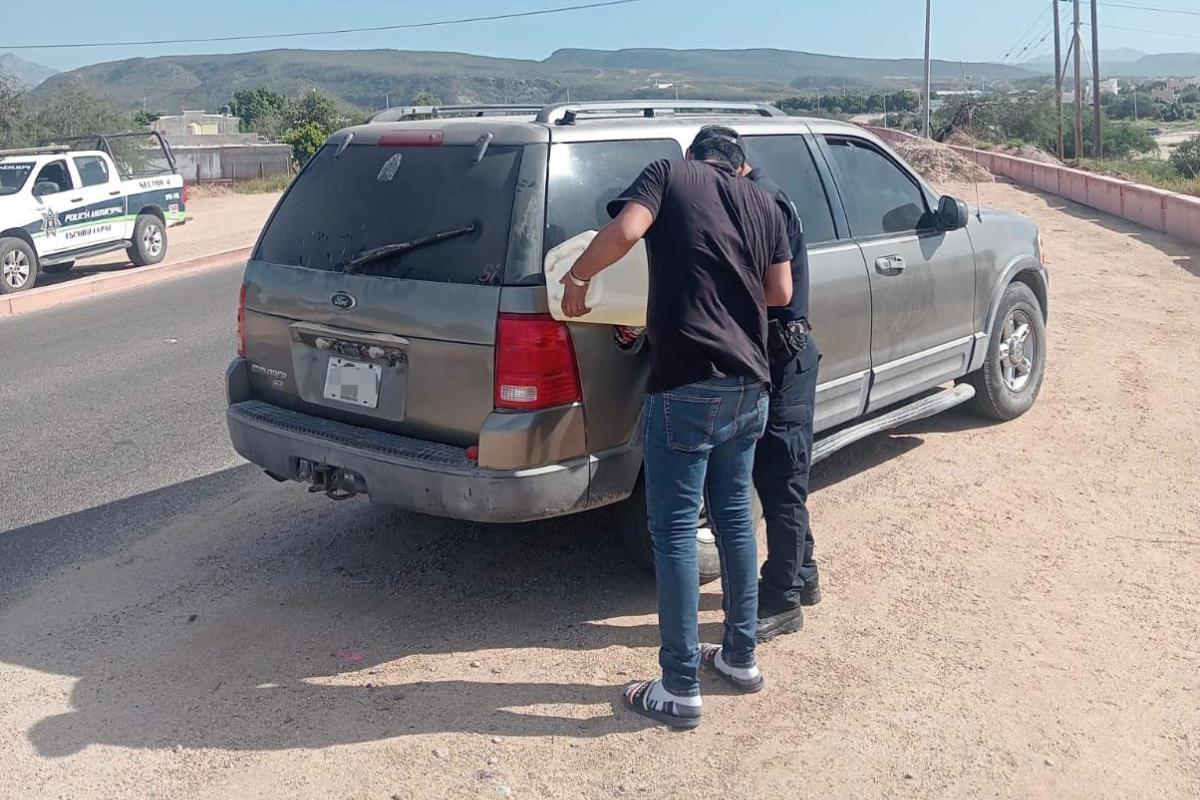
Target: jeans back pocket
x,y
689,421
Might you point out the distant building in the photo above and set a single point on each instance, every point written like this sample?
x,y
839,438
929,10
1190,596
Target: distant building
x,y
198,123
1164,93
212,147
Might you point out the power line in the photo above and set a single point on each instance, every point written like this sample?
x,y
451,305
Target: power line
x,y
405,26
1146,30
1160,9
1023,36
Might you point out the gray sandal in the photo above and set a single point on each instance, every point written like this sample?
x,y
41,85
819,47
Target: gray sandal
x,y
637,698
708,660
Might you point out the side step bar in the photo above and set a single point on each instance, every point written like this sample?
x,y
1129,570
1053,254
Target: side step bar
x,y
918,409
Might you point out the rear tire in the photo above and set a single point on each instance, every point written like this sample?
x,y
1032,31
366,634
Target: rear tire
x,y
57,269
18,265
629,518
1011,377
149,244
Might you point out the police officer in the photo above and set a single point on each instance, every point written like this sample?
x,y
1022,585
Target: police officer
x,y
789,578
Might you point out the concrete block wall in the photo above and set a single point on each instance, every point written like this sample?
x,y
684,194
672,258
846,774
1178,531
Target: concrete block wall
x,y
1163,211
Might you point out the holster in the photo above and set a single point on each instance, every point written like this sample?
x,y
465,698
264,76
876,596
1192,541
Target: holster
x,y
786,339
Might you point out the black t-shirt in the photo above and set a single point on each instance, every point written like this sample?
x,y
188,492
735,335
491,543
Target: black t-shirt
x,y
714,236
798,308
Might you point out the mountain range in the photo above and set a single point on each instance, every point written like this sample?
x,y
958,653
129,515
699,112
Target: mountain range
x,y
1128,63
27,73
367,79
370,79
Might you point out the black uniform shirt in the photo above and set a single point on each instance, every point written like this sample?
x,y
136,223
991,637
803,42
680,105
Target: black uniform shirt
x,y
798,308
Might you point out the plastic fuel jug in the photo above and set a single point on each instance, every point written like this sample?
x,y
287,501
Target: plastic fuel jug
x,y
617,295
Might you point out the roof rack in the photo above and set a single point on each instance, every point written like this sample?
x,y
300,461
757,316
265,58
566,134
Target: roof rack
x,y
33,151
569,113
399,113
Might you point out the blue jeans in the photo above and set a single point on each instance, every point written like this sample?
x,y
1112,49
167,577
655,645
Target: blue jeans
x,y
696,433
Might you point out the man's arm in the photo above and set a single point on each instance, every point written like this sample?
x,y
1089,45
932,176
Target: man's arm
x,y
777,285
610,245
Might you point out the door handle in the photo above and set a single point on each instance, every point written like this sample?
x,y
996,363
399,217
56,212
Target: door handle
x,y
889,265
114,193
76,199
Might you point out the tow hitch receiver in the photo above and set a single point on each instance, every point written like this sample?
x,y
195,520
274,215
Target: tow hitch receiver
x,y
336,483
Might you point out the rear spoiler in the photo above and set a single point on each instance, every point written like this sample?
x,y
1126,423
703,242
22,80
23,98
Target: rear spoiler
x,y
100,141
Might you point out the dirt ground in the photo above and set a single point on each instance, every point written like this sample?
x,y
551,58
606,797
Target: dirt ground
x,y
214,224
1010,611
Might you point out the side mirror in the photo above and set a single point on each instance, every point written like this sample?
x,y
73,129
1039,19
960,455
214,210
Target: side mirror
x,y
45,187
952,213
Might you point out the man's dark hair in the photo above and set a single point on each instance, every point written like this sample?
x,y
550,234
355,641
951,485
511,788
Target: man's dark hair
x,y
717,143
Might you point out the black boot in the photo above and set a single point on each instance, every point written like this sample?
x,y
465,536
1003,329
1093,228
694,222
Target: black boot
x,y
772,623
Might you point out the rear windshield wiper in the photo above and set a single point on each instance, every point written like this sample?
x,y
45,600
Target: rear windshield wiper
x,y
376,253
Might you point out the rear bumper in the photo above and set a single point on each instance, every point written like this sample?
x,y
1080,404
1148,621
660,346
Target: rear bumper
x,y
421,476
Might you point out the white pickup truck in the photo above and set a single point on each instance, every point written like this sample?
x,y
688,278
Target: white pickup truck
x,y
60,203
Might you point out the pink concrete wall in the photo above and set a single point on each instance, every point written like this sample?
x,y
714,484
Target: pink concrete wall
x,y
1145,205
1166,212
1182,217
1105,194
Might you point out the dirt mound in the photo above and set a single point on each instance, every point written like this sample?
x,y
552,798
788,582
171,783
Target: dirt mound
x,y
962,139
1029,152
939,163
209,190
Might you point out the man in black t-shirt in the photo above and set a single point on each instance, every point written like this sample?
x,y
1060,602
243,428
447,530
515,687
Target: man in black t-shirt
x,y
719,255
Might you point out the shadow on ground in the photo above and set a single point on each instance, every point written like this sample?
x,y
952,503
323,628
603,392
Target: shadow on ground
x,y
232,612
235,613
82,271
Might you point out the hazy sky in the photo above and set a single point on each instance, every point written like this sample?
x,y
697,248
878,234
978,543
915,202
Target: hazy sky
x,y
963,29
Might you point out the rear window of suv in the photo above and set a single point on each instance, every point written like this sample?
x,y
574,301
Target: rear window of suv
x,y
584,176
369,196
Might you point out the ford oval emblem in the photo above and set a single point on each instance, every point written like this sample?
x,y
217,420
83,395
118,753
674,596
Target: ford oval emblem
x,y
343,301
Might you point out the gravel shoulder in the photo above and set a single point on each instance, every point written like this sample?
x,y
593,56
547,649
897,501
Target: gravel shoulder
x,y
1011,610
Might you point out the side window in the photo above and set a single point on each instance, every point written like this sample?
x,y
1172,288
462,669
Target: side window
x,y
54,173
786,160
92,170
584,176
879,197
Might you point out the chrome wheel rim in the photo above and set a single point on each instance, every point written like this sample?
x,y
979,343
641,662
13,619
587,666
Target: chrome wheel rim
x,y
1018,353
152,240
15,269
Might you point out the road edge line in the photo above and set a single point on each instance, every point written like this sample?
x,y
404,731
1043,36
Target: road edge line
x,y
94,286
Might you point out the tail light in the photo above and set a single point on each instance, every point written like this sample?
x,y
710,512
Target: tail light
x,y
535,363
184,193
241,322
411,139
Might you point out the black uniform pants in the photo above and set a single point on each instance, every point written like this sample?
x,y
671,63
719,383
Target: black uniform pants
x,y
781,467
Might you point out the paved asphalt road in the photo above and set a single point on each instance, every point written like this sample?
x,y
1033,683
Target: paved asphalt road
x,y
110,399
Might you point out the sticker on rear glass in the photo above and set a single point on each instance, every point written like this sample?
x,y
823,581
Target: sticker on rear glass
x,y
388,170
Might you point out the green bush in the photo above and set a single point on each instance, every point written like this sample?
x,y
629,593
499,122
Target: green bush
x,y
305,141
1186,158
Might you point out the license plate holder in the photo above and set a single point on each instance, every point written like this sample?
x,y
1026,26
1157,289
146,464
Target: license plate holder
x,y
353,382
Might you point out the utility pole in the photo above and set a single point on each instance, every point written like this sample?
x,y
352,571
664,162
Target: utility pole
x,y
1058,76
1077,43
925,113
1096,77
